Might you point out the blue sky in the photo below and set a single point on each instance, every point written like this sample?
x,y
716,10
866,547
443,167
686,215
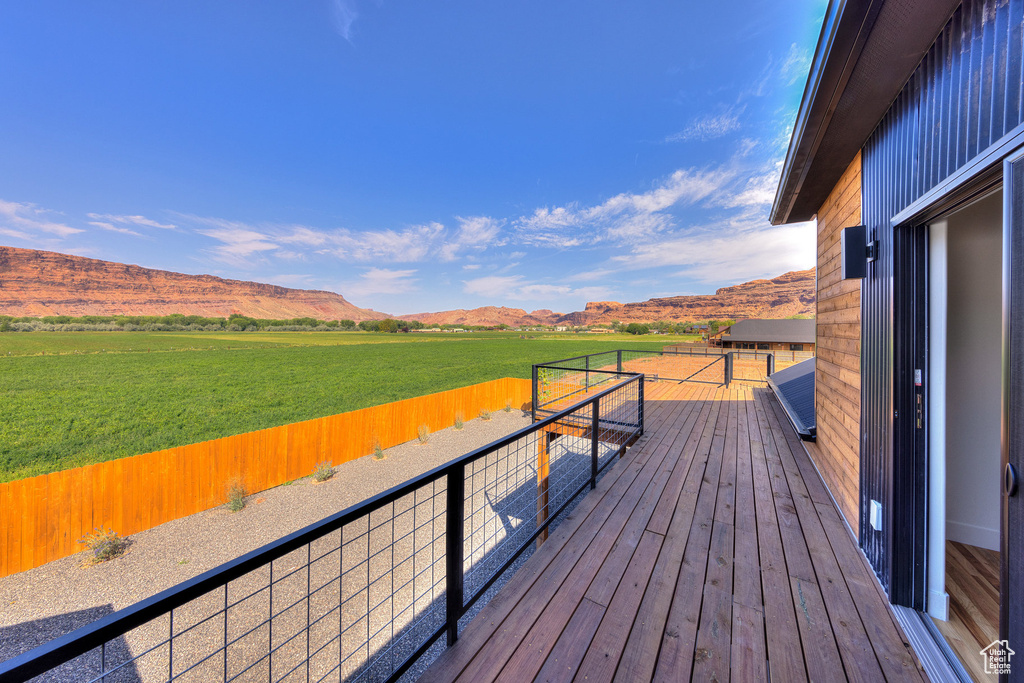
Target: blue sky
x,y
411,156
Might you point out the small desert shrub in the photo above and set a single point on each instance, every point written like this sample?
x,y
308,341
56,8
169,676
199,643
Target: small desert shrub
x,y
485,414
378,451
323,471
105,544
508,406
458,421
236,495
423,434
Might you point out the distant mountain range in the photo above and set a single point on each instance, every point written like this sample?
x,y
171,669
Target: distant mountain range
x,y
781,297
40,283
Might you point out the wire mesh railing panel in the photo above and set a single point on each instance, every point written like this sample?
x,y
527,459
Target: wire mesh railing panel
x,y
676,366
392,582
359,595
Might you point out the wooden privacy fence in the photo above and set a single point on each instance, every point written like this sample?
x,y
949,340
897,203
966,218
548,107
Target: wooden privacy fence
x,y
42,518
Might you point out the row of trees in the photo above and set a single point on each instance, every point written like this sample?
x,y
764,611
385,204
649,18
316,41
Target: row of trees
x,y
173,322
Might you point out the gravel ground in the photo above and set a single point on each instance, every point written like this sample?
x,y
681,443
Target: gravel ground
x,y
48,601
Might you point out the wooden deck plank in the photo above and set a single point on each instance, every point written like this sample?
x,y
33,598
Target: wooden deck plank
x,y
603,655
641,651
675,660
711,552
544,633
571,648
713,656
785,655
850,627
574,571
748,656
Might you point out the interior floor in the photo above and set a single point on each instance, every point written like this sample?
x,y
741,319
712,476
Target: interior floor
x,y
972,581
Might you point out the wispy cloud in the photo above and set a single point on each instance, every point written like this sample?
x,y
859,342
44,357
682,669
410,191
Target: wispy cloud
x,y
518,288
29,222
113,228
729,252
626,217
474,234
708,127
140,221
345,14
411,244
796,65
376,281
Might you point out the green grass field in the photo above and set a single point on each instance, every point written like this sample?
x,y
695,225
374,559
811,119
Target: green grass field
x,y
73,398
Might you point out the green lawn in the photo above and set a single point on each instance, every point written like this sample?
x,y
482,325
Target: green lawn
x,y
74,398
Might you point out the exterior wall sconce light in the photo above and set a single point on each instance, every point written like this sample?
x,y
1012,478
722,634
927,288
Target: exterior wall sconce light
x,y
857,252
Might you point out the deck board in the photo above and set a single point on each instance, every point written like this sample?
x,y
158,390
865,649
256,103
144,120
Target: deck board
x,y
711,551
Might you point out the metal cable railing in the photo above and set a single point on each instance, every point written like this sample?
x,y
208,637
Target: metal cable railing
x,y
558,383
363,594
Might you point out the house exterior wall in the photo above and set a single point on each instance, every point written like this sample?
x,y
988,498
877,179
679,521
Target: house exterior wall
x,y
964,98
837,369
768,346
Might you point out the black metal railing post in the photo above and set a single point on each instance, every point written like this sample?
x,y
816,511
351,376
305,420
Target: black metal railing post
x,y
454,549
595,442
770,370
640,404
728,368
618,363
533,397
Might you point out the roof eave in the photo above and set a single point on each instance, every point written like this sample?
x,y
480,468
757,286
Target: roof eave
x,y
840,42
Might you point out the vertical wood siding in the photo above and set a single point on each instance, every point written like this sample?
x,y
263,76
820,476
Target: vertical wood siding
x,y
963,98
42,518
837,369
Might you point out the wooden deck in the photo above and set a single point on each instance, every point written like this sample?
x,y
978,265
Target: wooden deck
x,y
711,551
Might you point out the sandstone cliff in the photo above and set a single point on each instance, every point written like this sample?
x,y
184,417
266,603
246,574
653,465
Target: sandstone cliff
x,y
780,297
486,315
39,283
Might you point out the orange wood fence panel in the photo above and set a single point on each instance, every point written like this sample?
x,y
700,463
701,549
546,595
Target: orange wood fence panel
x,y
42,518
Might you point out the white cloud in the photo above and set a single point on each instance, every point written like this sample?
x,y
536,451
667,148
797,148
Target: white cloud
x,y
27,221
239,242
141,221
472,266
114,228
492,286
515,287
474,234
796,65
730,252
381,281
626,217
412,244
708,127
345,14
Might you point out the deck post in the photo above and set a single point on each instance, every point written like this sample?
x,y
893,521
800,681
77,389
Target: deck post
x,y
533,397
770,370
595,442
618,363
543,470
728,368
454,549
640,405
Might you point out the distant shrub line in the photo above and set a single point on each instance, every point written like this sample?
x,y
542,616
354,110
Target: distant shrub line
x,y
176,322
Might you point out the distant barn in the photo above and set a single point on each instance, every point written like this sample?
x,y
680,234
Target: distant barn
x,y
767,335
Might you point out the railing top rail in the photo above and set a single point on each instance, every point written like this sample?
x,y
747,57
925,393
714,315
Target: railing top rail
x,y
554,363
78,642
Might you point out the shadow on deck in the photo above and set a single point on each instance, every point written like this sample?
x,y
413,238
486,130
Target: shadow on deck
x,y
711,551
